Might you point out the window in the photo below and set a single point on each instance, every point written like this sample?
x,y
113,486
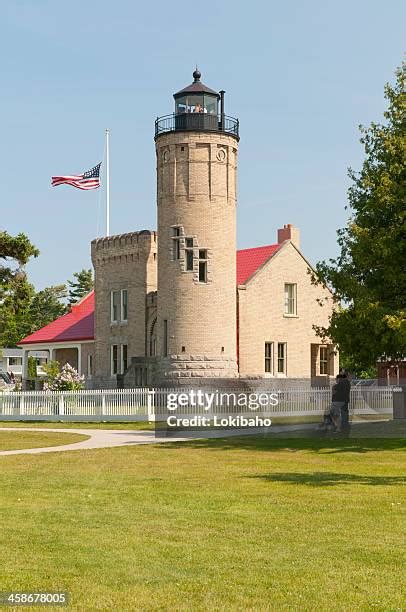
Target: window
x,y
165,338
124,357
119,306
281,358
115,305
124,304
269,357
290,299
202,266
176,242
114,359
189,260
89,365
323,360
14,361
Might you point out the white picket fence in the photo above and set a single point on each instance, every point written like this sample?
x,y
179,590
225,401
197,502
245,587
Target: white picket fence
x,y
142,404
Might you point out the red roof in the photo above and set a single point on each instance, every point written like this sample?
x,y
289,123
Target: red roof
x,y
77,325
249,260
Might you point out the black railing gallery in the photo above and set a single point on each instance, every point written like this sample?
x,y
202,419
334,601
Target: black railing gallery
x,y
196,122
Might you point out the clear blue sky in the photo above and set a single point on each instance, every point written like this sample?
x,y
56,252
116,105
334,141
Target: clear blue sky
x,y
301,77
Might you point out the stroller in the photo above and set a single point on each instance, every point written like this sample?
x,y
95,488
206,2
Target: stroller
x,y
332,418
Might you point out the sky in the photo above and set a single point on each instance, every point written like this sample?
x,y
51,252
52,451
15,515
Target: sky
x,y
300,76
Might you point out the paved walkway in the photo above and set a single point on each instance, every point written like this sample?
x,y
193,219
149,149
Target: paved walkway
x,y
107,438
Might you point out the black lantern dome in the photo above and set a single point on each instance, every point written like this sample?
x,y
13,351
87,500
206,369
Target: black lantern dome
x,y
197,108
196,98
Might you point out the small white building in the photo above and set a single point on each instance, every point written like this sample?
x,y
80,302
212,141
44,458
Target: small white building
x,y
11,360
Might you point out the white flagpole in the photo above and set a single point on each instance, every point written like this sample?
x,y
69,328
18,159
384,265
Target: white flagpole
x,y
107,184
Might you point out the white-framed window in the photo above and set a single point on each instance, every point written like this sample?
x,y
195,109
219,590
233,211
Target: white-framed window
x,y
90,366
124,358
268,357
15,361
119,306
281,366
115,298
290,299
124,304
114,359
323,360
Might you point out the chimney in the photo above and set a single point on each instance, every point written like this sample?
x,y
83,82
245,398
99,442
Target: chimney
x,y
289,232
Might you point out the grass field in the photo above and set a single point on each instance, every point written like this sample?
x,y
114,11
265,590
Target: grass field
x,y
236,524
13,440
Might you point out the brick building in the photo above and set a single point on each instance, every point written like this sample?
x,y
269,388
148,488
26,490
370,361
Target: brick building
x,y
187,308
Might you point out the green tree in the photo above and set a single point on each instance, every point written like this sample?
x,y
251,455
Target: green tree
x,y
32,367
47,305
15,291
81,286
368,279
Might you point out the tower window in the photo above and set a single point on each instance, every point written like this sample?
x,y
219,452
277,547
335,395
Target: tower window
x,y
176,242
202,266
189,260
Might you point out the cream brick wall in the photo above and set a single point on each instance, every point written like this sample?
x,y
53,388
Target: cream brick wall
x,y
120,262
196,190
261,315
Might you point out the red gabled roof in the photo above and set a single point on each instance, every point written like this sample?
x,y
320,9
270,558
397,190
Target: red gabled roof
x,y
249,260
76,325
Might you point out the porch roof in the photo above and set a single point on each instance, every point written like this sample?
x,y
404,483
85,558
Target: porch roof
x,y
76,325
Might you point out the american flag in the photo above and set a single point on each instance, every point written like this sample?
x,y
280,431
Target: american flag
x,y
87,180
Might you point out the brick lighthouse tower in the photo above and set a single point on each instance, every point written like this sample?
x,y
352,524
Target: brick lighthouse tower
x,y
196,149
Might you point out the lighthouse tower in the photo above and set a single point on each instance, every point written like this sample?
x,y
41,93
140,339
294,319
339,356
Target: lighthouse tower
x,y
196,151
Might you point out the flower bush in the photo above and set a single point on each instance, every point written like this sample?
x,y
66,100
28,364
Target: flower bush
x,y
68,379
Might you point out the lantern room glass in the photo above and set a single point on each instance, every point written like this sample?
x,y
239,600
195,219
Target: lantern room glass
x,y
197,103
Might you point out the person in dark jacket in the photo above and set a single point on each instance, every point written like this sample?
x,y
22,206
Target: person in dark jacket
x,y
345,394
333,418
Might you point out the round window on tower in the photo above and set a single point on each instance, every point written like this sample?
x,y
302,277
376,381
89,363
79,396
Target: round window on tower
x,y
221,155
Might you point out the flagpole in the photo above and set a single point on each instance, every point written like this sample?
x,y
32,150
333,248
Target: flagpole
x,y
107,183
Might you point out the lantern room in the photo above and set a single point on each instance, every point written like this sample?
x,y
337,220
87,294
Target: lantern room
x,y
197,108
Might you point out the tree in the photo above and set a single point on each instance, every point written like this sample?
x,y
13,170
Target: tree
x,y
15,291
32,367
15,248
368,279
81,286
46,306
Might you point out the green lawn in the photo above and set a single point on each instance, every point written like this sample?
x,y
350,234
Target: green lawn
x,y
236,524
79,424
13,440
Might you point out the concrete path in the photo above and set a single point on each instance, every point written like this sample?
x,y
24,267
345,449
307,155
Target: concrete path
x,y
106,438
